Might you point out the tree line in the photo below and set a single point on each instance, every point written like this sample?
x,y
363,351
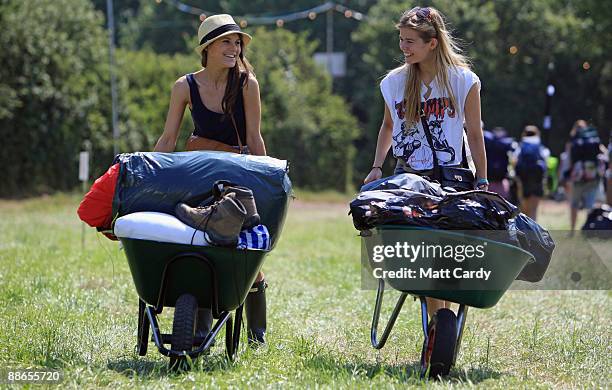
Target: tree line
x,y
55,93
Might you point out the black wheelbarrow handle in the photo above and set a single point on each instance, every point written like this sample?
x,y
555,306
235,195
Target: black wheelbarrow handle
x,y
206,344
398,307
378,344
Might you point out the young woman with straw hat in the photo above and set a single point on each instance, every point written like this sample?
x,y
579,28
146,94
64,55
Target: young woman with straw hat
x,y
223,96
225,106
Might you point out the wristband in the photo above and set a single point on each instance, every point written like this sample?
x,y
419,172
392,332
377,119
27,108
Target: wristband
x,y
482,182
377,167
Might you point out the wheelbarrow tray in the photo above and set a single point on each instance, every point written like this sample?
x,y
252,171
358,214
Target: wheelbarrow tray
x,y
228,272
504,260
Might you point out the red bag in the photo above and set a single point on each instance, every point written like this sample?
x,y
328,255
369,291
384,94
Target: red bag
x,y
96,208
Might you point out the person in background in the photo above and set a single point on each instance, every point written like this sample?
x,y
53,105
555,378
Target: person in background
x,y
586,155
499,149
563,175
531,168
552,177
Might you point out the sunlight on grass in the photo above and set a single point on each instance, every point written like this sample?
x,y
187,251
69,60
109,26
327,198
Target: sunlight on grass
x,y
75,308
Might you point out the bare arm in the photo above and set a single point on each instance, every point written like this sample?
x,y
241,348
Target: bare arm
x,y
252,111
474,132
179,98
382,146
603,149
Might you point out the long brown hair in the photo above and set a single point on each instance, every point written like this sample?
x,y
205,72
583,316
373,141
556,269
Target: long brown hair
x,y
429,23
233,88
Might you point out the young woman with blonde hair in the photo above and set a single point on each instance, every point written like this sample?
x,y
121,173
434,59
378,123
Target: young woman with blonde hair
x,y
436,81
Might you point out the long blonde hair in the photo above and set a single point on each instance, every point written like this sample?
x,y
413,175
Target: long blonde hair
x,y
428,22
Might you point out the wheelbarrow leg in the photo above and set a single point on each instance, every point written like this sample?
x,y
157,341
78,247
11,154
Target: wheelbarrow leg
x,y
237,327
425,327
156,336
143,329
398,307
424,317
232,334
229,336
461,317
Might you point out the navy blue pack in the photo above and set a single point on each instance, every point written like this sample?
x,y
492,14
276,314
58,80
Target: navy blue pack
x,y
150,181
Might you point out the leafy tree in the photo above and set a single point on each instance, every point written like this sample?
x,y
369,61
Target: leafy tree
x,y
145,80
164,28
565,33
302,120
592,33
51,65
55,90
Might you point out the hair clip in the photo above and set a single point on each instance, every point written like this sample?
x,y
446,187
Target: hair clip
x,y
424,13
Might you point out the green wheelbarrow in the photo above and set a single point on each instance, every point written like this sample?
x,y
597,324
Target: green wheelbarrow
x,y
427,277
189,277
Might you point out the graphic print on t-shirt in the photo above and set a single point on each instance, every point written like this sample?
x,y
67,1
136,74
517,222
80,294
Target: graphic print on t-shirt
x,y
411,145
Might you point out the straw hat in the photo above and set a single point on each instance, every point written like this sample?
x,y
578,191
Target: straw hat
x,y
217,26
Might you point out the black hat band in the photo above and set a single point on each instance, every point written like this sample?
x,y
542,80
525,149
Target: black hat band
x,y
218,31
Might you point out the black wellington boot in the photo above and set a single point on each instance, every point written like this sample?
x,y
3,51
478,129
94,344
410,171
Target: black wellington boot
x,y
255,305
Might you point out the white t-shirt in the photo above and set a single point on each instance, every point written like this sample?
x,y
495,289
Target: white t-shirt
x,y
445,122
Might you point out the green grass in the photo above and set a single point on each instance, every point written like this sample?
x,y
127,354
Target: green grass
x,y
329,196
75,309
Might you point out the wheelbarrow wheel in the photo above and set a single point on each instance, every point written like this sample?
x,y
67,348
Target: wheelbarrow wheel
x,y
439,348
183,328
143,329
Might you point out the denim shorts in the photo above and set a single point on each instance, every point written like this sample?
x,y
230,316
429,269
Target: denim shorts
x,y
402,167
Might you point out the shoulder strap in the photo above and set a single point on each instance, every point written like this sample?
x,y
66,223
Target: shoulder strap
x,y
429,140
193,90
237,134
240,81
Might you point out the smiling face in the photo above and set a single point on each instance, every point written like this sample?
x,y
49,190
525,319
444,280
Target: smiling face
x,y
415,49
224,51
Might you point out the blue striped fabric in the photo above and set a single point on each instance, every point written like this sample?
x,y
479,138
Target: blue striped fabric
x,y
256,237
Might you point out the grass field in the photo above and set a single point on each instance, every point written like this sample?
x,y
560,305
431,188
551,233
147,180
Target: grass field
x,y
75,309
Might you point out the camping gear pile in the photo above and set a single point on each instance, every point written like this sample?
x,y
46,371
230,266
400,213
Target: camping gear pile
x,y
195,228
407,207
410,200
